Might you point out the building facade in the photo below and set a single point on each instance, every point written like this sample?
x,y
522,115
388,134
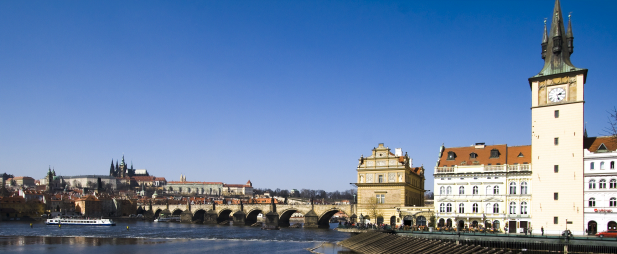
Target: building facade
x,y
557,98
483,186
387,181
600,184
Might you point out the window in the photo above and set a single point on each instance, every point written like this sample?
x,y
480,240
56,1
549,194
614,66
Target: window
x,y
556,141
451,155
488,208
496,208
512,188
474,208
592,184
602,184
380,179
494,153
488,190
556,113
592,202
442,190
449,208
612,202
496,190
475,190
613,183
555,220
512,207
523,207
556,167
556,196
449,190
473,155
461,190
461,208
442,208
524,188
592,166
601,165
381,198
612,165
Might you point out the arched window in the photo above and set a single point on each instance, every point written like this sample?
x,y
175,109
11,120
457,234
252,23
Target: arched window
x,y
602,165
523,207
602,184
612,202
488,208
474,208
613,183
592,202
461,190
512,188
512,207
612,165
592,166
475,190
524,188
449,208
496,190
442,208
442,190
488,190
592,184
461,208
449,190
496,208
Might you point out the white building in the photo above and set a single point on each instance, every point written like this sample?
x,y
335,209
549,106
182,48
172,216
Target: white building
x,y
483,186
600,156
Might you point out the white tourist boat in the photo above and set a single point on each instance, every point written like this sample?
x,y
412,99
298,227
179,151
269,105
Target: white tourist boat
x,y
164,218
80,222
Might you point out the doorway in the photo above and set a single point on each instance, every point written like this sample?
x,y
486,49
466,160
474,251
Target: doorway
x,y
592,227
460,226
511,226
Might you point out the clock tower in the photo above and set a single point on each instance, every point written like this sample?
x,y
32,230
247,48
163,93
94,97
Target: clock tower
x,y
557,130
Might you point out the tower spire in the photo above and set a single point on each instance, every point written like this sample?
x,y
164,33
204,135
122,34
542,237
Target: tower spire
x,y
569,35
557,53
544,40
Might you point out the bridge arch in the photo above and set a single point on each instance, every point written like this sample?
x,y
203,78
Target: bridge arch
x,y
224,215
157,213
285,215
177,211
198,216
324,218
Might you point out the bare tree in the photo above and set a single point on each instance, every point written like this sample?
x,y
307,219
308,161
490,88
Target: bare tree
x,y
611,130
373,209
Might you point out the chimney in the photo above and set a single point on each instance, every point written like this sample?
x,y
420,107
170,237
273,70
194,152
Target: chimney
x,y
398,152
480,145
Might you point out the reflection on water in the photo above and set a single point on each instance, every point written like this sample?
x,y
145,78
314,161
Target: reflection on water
x,y
147,237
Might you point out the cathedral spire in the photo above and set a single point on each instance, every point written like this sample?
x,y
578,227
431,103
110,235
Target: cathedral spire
x,y
557,53
111,169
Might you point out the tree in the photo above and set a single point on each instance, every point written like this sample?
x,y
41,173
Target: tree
x,y
431,221
429,195
612,125
373,209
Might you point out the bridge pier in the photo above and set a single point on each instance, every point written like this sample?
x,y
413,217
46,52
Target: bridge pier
x,y
186,216
149,215
210,217
311,220
272,219
239,218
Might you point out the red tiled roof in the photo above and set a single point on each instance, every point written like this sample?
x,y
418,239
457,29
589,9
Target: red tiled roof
x,y
236,185
507,155
593,143
187,182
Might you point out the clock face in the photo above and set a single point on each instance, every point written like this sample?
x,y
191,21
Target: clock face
x,y
557,94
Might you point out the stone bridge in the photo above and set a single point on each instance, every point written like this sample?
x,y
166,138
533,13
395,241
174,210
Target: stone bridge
x,y
246,214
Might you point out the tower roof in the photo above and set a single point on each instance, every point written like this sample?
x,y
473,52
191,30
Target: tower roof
x,y
557,59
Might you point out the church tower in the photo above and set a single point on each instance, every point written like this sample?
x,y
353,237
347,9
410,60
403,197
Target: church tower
x,y
557,129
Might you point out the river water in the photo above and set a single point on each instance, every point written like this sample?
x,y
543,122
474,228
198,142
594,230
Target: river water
x,y
152,237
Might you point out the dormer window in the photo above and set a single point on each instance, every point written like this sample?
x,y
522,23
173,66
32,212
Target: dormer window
x,y
520,155
451,155
473,155
494,153
602,148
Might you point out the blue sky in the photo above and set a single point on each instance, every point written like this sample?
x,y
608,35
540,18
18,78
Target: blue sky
x,y
287,94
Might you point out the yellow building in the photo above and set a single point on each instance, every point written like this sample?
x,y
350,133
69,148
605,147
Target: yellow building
x,y
386,183
557,133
